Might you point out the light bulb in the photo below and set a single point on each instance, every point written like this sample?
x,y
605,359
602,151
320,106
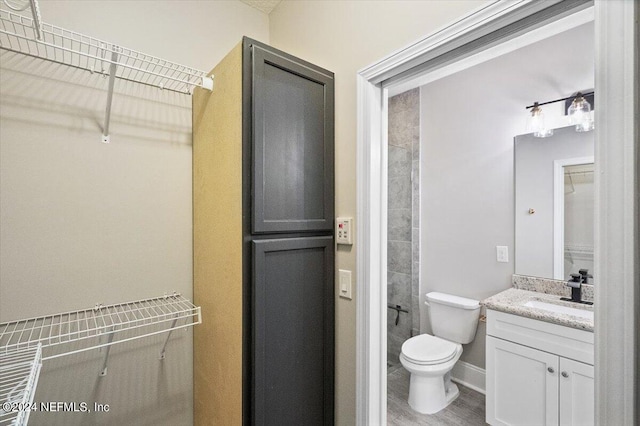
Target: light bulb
x,y
536,123
580,114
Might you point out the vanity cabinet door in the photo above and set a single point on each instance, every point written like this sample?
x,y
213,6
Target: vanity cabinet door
x,y
577,393
522,385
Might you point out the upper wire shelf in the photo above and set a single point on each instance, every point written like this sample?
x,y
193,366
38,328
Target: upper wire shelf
x,y
107,323
19,34
19,372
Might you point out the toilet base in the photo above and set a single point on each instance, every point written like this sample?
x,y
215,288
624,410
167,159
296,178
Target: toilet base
x,y
428,395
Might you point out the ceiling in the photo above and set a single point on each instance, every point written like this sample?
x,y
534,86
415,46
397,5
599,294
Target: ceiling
x,y
265,6
548,68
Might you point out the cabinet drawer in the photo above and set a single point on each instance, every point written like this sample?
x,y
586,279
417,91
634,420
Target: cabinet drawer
x,y
564,341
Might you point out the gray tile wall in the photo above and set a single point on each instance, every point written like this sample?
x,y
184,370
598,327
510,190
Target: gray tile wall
x,y
403,220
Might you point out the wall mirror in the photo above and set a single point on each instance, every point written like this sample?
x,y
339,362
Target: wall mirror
x,y
554,204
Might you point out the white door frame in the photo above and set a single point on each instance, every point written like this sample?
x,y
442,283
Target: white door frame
x,y
616,190
558,211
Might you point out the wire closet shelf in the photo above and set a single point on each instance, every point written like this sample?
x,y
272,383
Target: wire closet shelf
x,y
19,34
100,326
19,371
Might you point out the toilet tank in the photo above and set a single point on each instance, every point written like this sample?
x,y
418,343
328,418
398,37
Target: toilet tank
x,y
452,317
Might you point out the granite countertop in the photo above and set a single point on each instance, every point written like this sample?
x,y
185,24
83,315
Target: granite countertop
x,y
512,301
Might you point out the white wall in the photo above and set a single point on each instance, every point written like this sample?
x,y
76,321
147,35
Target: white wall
x,y
82,222
345,36
468,124
466,193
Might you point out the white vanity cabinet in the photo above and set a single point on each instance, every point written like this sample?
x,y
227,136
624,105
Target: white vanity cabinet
x,y
538,373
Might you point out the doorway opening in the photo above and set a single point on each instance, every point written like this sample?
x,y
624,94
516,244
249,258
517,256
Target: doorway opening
x,y
498,27
465,123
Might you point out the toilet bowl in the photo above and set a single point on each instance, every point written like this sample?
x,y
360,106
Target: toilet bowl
x,y
430,359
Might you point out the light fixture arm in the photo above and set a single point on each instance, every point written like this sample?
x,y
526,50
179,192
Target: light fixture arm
x,y
577,95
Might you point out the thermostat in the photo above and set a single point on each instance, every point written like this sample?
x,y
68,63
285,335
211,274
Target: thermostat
x,y
344,230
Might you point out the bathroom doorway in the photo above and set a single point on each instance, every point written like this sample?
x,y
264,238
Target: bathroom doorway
x,y
373,309
466,180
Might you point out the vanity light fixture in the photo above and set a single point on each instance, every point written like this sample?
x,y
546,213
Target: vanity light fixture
x,y
579,115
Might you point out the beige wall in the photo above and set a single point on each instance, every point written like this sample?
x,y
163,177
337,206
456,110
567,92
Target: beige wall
x,y
344,37
190,32
82,222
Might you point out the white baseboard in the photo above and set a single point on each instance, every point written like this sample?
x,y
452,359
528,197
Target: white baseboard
x,y
470,376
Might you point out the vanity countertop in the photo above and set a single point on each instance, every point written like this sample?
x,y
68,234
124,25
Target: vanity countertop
x,y
513,300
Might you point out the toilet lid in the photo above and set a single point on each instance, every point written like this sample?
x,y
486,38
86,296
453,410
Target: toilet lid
x,y
426,349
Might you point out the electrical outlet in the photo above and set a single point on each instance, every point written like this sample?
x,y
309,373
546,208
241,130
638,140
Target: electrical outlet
x,y
502,254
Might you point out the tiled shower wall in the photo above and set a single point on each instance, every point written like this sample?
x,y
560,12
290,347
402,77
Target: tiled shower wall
x,y
403,220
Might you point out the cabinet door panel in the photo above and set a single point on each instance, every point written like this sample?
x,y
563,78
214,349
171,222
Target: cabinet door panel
x,y
577,393
293,329
520,388
292,145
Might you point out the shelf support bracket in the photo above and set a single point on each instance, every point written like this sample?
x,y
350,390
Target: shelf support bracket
x,y
37,22
207,83
103,372
164,347
112,78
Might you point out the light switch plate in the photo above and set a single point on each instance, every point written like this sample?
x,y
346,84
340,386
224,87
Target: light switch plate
x,y
344,230
344,283
502,254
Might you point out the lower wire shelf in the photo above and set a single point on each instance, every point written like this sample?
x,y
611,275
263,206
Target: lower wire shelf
x,y
100,326
24,344
19,372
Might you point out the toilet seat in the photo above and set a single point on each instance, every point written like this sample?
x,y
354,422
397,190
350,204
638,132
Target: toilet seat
x,y
425,349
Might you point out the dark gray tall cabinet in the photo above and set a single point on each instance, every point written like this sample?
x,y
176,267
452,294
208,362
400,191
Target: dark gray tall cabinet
x,y
263,241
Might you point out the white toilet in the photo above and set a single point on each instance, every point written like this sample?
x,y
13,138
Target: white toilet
x,y
430,359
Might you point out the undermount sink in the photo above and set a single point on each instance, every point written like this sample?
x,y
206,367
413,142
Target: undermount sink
x,y
560,309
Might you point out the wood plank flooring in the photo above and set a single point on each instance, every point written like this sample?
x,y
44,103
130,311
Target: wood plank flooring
x,y
467,410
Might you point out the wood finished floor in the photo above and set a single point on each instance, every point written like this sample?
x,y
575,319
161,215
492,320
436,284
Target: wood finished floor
x,y
467,410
